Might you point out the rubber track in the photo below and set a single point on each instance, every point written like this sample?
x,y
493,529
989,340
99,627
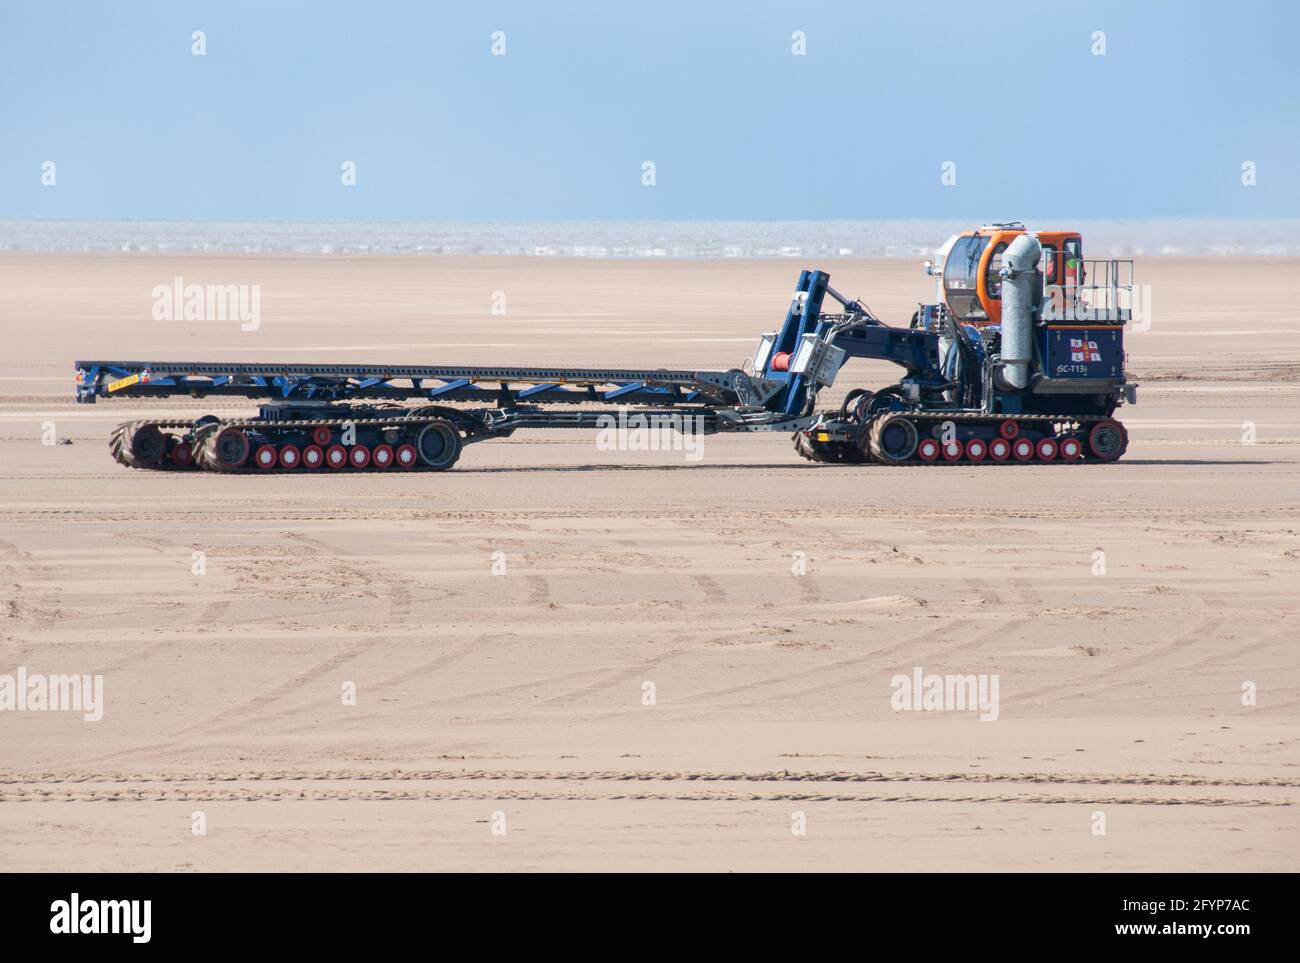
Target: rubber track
x,y
922,418
119,446
205,435
819,453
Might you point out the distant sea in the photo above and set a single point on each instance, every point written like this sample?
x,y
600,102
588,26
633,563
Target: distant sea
x,y
688,240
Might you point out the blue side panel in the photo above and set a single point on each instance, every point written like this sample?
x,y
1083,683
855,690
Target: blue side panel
x,y
1083,351
804,317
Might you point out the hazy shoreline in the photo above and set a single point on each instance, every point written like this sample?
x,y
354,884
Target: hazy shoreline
x,y
631,240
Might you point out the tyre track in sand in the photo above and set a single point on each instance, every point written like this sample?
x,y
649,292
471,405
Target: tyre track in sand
x,y
1212,662
449,795
653,775
589,681
883,673
1117,675
429,666
837,666
941,634
611,785
213,723
277,693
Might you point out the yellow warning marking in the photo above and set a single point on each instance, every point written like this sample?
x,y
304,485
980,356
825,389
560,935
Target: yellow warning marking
x,y
126,382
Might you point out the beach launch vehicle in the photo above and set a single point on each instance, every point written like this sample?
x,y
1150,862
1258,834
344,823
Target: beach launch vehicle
x,y
1018,358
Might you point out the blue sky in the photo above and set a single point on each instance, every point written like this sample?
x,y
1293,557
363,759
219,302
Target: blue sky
x,y
737,127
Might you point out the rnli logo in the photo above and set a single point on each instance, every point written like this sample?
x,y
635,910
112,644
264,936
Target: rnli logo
x,y
1081,349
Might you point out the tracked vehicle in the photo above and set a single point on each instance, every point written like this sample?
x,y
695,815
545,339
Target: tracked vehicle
x,y
1020,358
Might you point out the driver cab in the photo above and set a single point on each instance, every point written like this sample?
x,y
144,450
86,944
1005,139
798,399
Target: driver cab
x,y
972,286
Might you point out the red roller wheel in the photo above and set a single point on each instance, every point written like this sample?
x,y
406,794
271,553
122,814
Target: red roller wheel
x,y
1047,449
336,456
1008,429
1108,440
182,454
406,456
927,449
976,449
321,435
359,456
266,457
312,457
1022,449
999,449
382,456
953,450
290,456
1071,449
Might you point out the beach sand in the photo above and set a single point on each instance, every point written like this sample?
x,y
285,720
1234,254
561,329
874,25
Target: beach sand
x,y
517,701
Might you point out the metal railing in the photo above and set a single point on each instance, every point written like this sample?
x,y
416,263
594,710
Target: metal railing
x,y
1089,290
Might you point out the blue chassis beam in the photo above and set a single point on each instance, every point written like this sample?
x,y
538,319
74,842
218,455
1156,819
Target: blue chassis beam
x,y
351,382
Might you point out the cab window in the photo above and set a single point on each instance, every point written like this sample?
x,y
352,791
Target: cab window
x,y
1049,264
992,279
961,277
1073,261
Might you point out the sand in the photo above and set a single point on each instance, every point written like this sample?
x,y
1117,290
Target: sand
x,y
516,701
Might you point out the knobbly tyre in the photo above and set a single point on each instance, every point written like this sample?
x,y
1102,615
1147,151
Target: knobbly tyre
x,y
1020,358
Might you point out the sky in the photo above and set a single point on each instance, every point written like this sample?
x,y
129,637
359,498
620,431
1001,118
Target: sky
x,y
1012,94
